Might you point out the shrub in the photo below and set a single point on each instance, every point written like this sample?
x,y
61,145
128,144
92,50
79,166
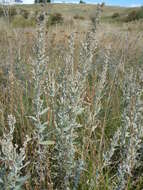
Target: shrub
x,y
78,17
55,18
115,15
134,15
24,13
140,13
1,12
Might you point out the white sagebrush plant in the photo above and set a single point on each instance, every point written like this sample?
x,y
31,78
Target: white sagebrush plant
x,y
128,137
12,160
132,132
93,119
67,107
40,132
39,68
72,90
89,46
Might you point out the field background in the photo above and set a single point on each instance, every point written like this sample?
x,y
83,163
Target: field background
x,y
106,98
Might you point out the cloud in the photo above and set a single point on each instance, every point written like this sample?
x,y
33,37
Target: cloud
x,y
65,1
28,1
135,5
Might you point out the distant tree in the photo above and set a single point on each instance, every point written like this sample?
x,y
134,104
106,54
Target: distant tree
x,y
42,1
115,15
81,2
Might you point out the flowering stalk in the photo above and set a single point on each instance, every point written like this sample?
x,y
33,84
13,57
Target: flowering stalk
x,y
41,162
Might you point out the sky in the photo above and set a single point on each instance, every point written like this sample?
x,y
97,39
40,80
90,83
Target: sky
x,y
125,3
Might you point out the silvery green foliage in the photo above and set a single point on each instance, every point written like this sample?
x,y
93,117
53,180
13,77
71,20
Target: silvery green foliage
x,y
93,116
86,62
100,91
115,141
39,66
50,84
38,74
68,107
114,144
87,52
79,169
128,137
12,159
132,132
90,45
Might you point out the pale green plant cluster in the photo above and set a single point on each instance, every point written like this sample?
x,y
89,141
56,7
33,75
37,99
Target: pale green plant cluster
x,y
13,160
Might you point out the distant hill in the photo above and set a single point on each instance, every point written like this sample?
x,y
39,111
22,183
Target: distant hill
x,y
70,10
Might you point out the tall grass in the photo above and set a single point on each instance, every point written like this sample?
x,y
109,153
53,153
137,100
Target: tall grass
x,y
80,103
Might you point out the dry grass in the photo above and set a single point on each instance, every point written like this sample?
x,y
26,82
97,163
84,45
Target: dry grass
x,y
91,83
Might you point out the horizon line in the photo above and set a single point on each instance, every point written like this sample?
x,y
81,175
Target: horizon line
x,y
21,2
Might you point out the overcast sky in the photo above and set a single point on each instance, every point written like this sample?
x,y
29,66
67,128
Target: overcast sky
x,y
129,3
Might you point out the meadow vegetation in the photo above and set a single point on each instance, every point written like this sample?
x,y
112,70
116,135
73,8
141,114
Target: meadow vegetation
x,y
71,98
